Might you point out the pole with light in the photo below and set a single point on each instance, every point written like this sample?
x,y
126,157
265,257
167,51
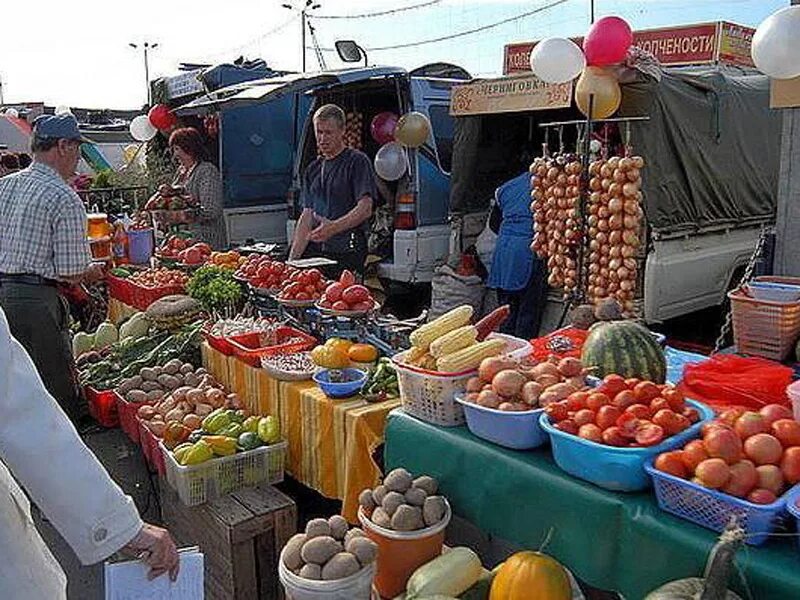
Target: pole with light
x,y
309,5
145,47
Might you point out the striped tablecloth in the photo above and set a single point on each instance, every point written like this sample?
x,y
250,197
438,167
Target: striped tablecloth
x,y
330,441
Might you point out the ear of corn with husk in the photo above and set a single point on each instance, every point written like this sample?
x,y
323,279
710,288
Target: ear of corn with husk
x,y
470,357
427,333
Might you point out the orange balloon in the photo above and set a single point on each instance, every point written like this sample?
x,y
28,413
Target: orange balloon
x,y
603,86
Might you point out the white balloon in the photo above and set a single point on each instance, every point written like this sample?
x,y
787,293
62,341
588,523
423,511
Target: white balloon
x,y
390,161
557,60
774,48
61,109
11,112
142,129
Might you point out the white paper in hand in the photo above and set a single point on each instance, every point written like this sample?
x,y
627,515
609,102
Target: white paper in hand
x,y
128,580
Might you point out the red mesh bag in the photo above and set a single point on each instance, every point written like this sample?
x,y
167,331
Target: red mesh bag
x,y
561,343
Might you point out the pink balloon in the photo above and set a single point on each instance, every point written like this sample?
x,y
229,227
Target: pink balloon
x,y
382,127
607,42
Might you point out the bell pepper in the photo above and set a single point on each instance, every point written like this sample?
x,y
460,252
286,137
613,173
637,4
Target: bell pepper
x,y
251,424
175,433
249,441
200,452
234,430
214,423
180,451
269,430
220,444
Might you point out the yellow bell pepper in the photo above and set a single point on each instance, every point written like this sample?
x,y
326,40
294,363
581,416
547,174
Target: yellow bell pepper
x,y
180,451
200,452
220,445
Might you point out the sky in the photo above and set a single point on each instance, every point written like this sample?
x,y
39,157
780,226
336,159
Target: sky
x,y
80,56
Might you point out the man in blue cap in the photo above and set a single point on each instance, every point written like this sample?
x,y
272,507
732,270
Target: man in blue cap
x,y
43,244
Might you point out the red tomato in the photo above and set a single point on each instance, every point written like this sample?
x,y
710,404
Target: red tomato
x,y
325,303
613,385
595,401
730,415
770,477
591,432
790,465
302,296
567,426
355,294
584,416
692,414
640,411
347,278
607,416
675,399
693,454
672,463
557,411
646,391
724,444
613,436
314,275
362,306
632,383
760,496
261,272
624,399
311,290
659,404
774,412
340,305
649,434
749,424
714,425
577,400
628,424
743,479
667,420
322,285
787,431
334,291
713,473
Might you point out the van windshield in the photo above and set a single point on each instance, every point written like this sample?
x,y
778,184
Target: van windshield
x,y
443,130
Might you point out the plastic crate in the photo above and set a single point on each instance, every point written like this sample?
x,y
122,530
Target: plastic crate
x,y
249,349
792,498
127,417
713,509
102,406
143,297
515,430
610,467
764,328
222,475
220,344
151,449
120,289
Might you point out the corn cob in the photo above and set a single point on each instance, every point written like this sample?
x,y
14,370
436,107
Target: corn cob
x,y
413,356
470,357
456,340
424,335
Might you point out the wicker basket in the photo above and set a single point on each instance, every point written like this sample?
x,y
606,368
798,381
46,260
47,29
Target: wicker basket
x,y
763,328
430,396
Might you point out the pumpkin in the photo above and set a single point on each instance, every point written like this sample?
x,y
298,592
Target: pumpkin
x,y
714,584
531,576
624,348
362,353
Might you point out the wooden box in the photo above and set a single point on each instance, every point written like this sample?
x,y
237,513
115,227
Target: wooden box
x,y
241,536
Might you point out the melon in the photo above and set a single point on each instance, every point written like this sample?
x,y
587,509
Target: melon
x,y
624,348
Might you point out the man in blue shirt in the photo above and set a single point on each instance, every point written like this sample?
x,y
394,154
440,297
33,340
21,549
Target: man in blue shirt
x,y
516,272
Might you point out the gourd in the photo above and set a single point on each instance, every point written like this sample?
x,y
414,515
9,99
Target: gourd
x,y
450,574
105,335
82,342
531,576
714,583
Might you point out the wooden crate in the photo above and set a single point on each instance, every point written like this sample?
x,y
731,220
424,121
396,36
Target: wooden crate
x,y
241,536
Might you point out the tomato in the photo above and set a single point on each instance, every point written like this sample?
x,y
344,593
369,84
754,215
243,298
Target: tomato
x,y
261,272
714,425
713,473
640,411
632,383
774,412
646,391
557,411
362,306
340,305
311,290
325,303
567,426
770,477
334,291
613,436
724,444
667,420
302,296
672,463
347,278
628,424
790,465
595,400
760,496
683,423
649,434
355,294
787,431
314,275
577,400
624,399
613,385
743,479
675,399
322,285
749,424
692,414
591,432
730,415
607,416
659,404
584,416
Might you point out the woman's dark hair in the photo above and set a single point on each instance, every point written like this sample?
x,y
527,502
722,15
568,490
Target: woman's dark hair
x,y
190,141
10,161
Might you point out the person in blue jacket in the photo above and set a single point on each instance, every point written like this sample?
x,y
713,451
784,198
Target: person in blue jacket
x,y
518,275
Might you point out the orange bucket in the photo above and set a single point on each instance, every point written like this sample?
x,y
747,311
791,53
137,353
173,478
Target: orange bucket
x,y
400,553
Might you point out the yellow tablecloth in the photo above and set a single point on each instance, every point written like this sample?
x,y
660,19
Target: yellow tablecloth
x,y
330,441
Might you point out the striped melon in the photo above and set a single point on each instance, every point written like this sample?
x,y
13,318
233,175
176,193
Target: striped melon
x,y
625,348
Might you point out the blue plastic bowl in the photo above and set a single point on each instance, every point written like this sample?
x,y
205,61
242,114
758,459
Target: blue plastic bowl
x,y
353,381
792,498
515,430
612,468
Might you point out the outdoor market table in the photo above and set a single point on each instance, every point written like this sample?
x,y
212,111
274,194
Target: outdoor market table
x,y
330,441
613,541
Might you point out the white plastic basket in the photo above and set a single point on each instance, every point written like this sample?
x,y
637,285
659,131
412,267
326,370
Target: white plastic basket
x,y
356,587
196,484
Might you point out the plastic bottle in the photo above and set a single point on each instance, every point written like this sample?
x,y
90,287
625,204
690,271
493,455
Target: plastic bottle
x,y
120,242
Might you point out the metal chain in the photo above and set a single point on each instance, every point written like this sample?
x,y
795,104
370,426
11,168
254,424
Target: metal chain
x,y
746,276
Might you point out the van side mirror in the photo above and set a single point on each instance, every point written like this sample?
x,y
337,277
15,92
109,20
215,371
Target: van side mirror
x,y
350,52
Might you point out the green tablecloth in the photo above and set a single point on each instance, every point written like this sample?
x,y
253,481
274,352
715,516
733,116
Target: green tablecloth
x,y
613,541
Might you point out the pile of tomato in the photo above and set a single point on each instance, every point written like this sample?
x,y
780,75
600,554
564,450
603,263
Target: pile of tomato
x,y
308,284
752,455
624,413
173,245
262,272
158,278
347,296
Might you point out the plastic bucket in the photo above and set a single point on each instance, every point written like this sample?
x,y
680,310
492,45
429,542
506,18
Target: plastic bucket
x,y
140,245
793,391
355,587
400,553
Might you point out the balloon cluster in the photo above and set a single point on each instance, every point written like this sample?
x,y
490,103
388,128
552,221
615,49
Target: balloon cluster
x,y
159,118
559,60
395,134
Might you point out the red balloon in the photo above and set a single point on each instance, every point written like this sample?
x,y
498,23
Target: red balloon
x,y
607,42
162,118
382,127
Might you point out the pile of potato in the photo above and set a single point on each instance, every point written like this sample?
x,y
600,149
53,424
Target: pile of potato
x,y
402,503
154,383
505,384
329,550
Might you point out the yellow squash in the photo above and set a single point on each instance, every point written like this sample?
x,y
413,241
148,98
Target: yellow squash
x,y
531,576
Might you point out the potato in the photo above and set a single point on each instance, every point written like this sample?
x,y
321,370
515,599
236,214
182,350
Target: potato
x,y
416,496
180,393
340,566
398,480
366,500
506,407
531,392
560,390
353,533
319,550
200,371
146,412
427,483
474,384
364,549
407,518
150,386
187,368
128,384
379,493
291,552
488,399
381,519
311,571
317,528
434,509
155,395
191,380
148,374
158,370
168,381
173,367
137,396
391,501
339,526
203,410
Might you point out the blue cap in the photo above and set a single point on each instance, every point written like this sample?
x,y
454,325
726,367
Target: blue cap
x,y
57,127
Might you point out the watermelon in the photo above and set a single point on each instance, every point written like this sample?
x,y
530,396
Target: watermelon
x,y
625,348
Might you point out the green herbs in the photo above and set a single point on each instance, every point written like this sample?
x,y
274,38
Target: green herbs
x,y
215,288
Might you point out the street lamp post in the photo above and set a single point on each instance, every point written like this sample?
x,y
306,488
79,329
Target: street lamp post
x,y
145,47
309,5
